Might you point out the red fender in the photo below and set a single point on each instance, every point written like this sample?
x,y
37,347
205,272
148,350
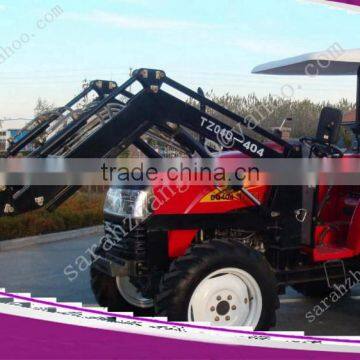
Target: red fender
x,y
179,241
354,231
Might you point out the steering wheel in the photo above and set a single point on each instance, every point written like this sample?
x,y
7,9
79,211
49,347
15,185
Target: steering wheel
x,y
320,149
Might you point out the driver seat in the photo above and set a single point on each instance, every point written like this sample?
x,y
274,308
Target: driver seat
x,y
328,130
328,133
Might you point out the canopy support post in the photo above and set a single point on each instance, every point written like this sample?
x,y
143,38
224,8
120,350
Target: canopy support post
x,y
358,98
356,129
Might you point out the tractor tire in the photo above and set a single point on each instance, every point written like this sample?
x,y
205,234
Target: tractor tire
x,y
316,289
107,294
221,282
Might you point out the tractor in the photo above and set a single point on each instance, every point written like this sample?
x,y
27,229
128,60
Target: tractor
x,y
224,256
204,253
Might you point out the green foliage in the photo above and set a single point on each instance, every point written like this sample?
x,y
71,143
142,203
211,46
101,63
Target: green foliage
x,y
84,209
270,111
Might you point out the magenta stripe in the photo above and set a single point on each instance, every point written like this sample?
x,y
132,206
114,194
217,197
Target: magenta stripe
x,y
24,338
349,2
188,325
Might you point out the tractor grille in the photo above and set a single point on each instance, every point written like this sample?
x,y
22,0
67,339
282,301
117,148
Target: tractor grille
x,y
126,241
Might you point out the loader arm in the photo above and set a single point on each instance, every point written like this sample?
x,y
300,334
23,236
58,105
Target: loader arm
x,y
35,128
149,108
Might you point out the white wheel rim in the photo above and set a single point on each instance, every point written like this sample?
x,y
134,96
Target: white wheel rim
x,y
131,294
228,296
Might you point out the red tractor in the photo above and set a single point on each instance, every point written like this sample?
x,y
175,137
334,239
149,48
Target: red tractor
x,y
224,255
219,255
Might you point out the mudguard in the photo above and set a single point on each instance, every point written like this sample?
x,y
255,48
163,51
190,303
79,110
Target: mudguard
x,y
354,231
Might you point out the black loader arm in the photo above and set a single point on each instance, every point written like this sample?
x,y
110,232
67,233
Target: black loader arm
x,y
35,128
137,114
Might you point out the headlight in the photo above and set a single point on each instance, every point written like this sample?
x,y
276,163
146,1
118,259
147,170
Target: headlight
x,y
125,202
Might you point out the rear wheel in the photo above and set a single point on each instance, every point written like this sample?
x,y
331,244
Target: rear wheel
x,y
118,294
220,282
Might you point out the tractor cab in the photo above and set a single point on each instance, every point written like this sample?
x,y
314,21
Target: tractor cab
x,y
329,63
332,231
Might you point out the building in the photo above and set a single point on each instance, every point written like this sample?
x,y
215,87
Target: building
x,y
3,141
348,139
15,135
284,132
350,116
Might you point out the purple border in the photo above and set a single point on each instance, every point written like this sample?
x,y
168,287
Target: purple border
x,y
154,321
24,338
349,2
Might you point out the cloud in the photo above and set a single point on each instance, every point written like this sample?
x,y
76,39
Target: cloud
x,y
263,46
133,2
129,22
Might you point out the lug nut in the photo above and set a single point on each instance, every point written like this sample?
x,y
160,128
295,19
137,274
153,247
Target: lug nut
x,y
233,307
218,298
212,308
227,318
229,297
217,318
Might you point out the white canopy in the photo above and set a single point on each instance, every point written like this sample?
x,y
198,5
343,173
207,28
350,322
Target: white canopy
x,y
333,61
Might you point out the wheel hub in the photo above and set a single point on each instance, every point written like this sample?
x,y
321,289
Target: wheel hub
x,y
131,294
225,298
222,307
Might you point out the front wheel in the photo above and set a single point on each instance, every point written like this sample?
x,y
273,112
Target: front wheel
x,y
221,282
118,294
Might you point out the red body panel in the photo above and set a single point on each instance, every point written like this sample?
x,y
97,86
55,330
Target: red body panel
x,y
198,200
337,236
194,201
354,231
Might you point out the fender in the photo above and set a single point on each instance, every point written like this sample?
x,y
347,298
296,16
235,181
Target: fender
x,y
354,232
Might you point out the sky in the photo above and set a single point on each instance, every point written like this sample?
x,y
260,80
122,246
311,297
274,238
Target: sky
x,y
207,43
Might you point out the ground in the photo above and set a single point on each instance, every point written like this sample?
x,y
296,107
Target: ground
x,y
39,270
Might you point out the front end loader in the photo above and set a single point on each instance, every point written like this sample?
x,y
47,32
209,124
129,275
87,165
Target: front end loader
x,y
223,255
207,253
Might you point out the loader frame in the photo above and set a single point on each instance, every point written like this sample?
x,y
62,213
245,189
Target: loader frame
x,y
42,122
151,106
154,106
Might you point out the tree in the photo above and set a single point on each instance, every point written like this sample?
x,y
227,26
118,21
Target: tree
x,y
42,106
269,111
